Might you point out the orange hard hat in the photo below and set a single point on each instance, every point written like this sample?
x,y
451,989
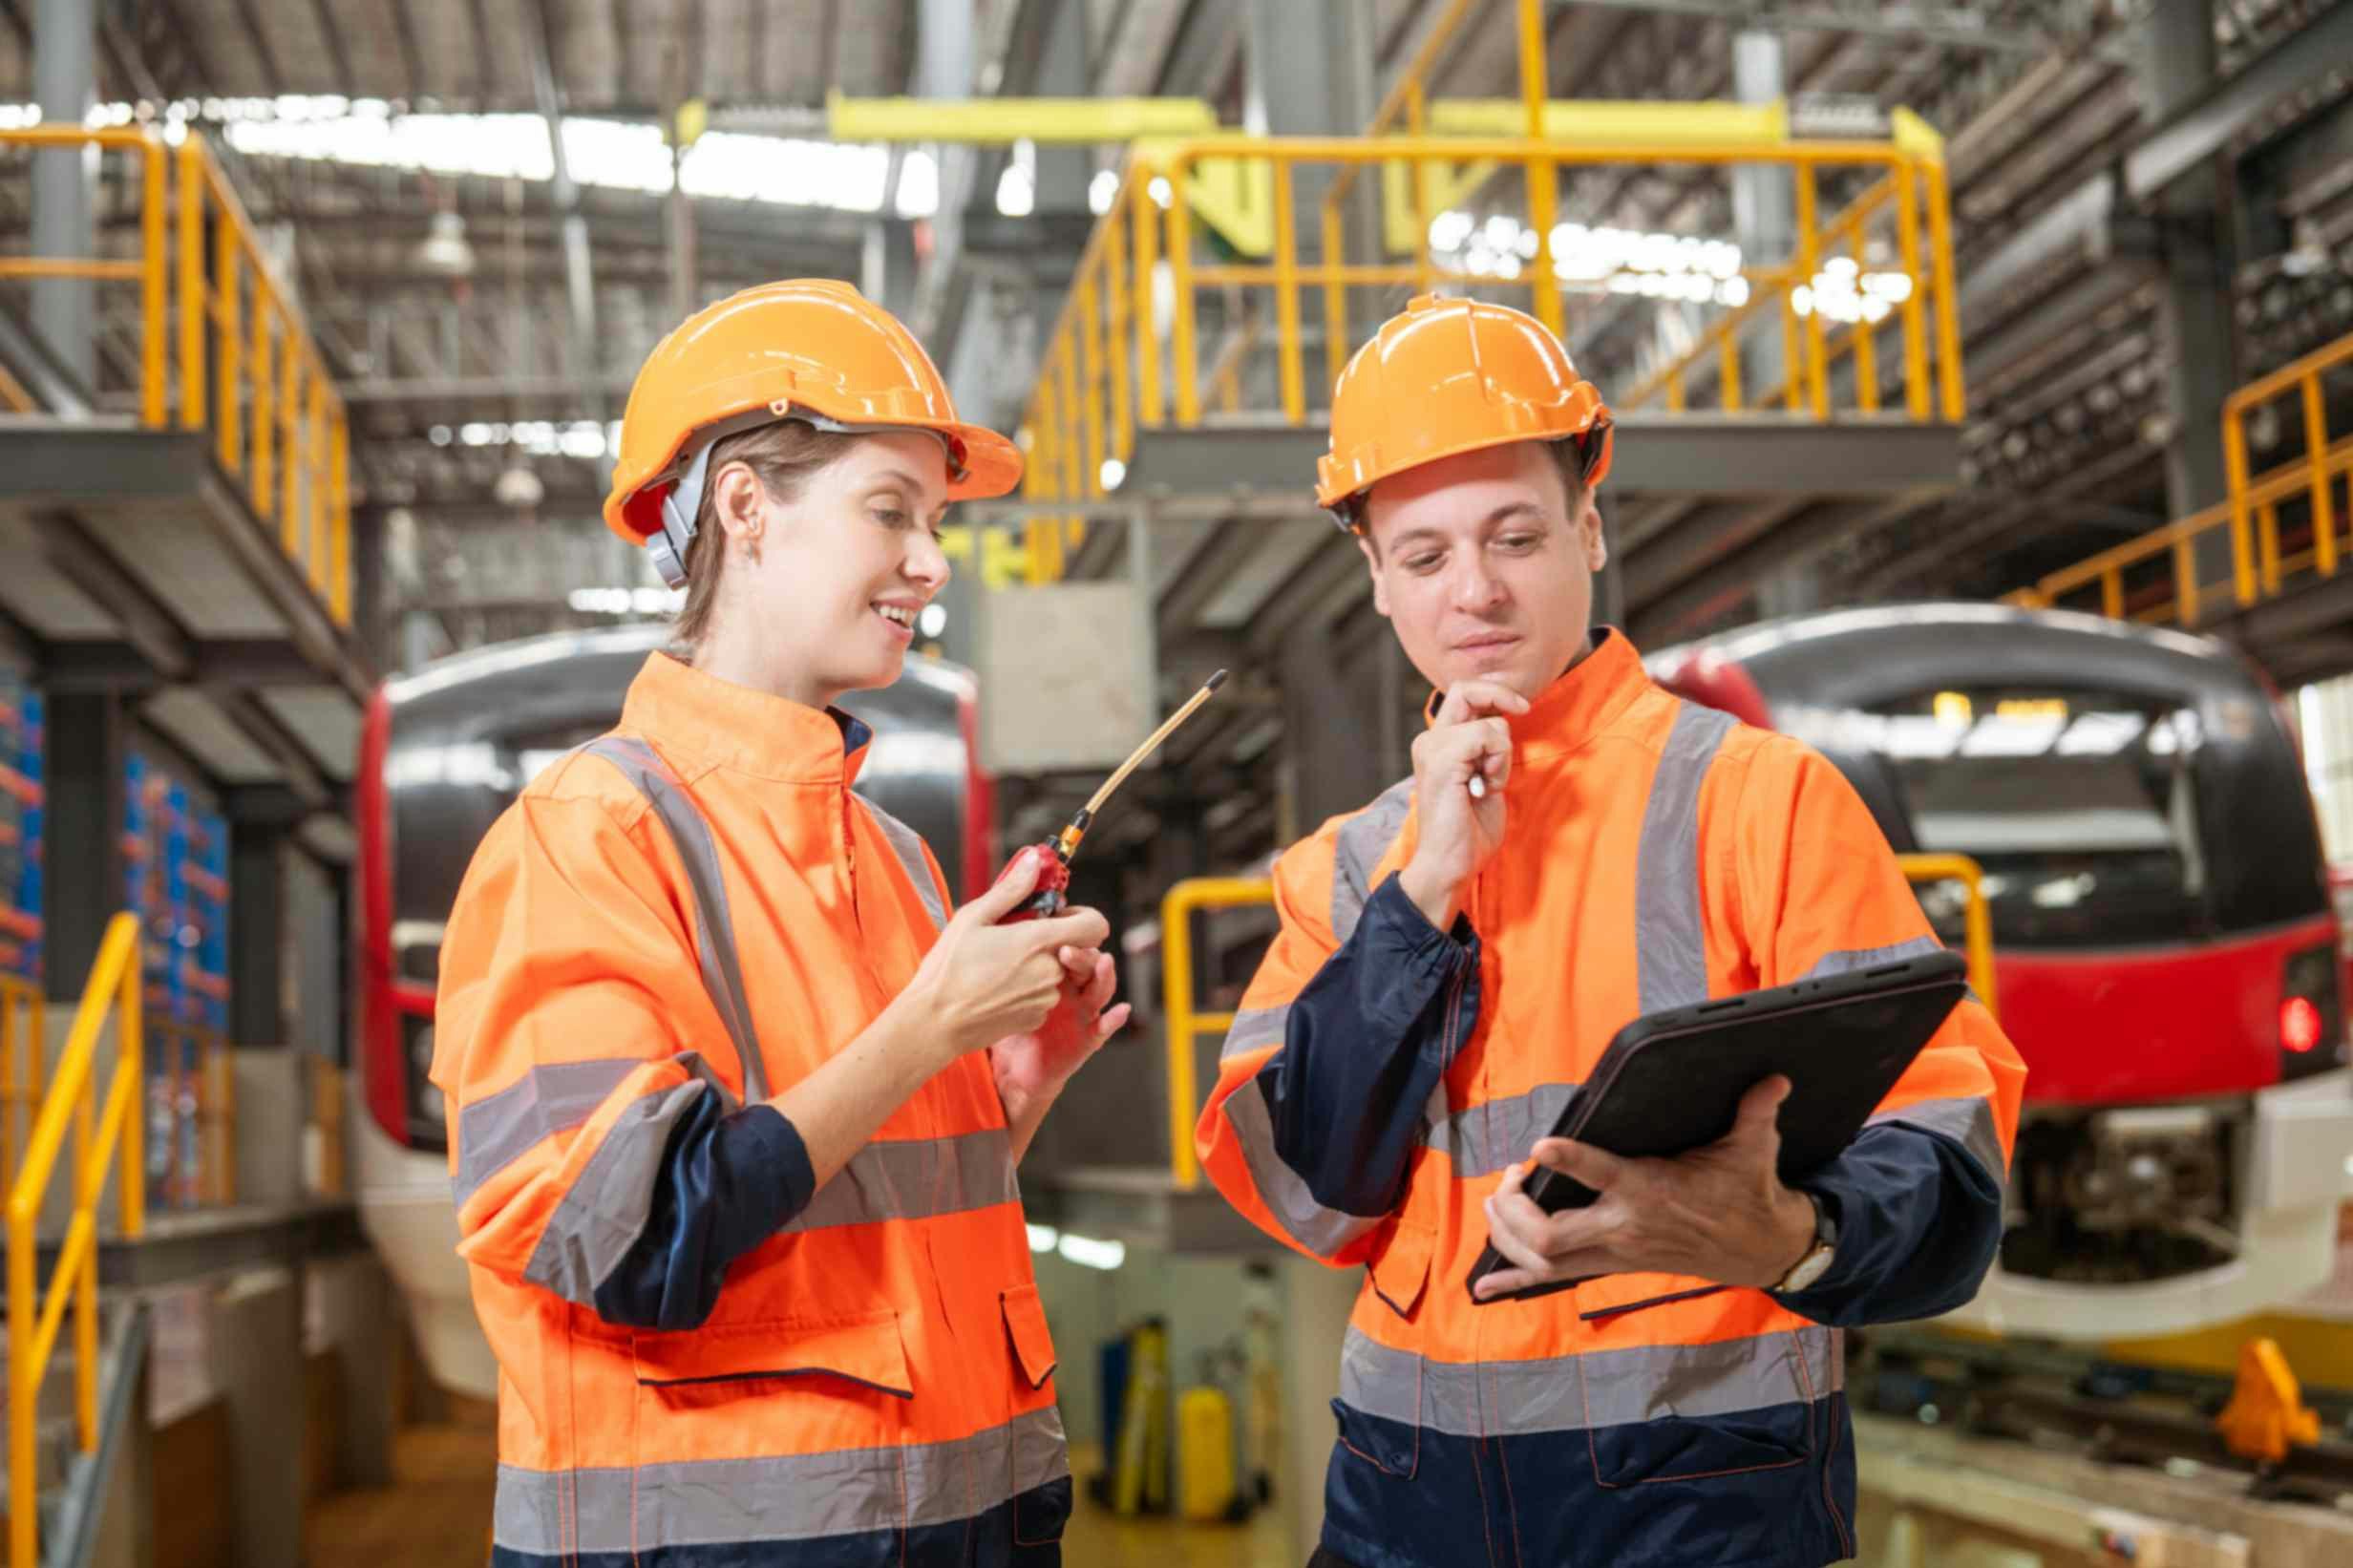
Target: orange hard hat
x,y
1449,376
812,350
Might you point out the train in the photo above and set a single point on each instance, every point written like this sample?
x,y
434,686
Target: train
x,y
442,753
2167,950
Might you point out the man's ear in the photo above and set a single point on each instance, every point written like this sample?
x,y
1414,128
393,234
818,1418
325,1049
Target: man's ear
x,y
1589,525
1373,566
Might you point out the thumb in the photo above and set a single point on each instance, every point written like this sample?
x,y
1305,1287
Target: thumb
x,y
1005,894
1758,1120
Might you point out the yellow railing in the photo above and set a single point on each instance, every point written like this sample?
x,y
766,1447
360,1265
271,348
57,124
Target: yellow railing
x,y
35,1319
24,1037
1185,1025
1112,364
1979,919
2260,564
203,1090
248,367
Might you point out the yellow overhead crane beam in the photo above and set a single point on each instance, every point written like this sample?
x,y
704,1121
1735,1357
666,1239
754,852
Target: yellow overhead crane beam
x,y
1235,196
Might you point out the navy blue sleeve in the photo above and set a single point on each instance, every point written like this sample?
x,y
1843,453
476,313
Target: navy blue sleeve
x,y
726,1182
1918,1222
1363,1047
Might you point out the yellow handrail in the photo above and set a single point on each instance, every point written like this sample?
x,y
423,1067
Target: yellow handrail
x,y
24,1036
1980,925
1184,1024
1126,353
33,1321
2258,570
282,432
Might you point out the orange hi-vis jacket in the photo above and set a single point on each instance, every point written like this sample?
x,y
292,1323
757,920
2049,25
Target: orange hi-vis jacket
x,y
1381,1075
702,1361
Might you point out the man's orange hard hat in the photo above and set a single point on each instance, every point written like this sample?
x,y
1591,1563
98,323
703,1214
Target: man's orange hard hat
x,y
1448,377
812,350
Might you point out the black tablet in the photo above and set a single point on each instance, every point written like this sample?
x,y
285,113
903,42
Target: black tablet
x,y
1672,1081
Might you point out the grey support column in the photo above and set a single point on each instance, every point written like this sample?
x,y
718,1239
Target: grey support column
x,y
83,886
2177,67
65,40
257,932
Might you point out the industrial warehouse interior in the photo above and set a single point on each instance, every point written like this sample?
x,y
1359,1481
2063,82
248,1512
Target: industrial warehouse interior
x,y
1160,783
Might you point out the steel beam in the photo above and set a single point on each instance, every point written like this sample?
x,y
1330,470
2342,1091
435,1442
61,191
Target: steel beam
x,y
65,84
147,626
346,81
579,278
83,844
257,934
1954,28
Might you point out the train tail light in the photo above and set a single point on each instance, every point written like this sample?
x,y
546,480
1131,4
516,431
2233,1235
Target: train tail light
x,y
2311,1014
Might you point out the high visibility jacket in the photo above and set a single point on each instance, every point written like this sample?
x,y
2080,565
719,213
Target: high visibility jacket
x,y
1382,1074
701,1360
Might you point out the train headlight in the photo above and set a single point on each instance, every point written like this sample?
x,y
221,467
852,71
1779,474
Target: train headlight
x,y
2311,1014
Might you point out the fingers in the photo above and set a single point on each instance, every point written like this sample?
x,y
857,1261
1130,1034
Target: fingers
x,y
1005,894
1596,1168
1078,967
1482,746
1467,699
1112,1022
1106,980
1076,927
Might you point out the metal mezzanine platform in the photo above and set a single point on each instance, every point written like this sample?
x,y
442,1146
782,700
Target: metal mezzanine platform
x,y
130,561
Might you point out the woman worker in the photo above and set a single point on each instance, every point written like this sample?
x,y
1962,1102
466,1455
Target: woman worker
x,y
735,1110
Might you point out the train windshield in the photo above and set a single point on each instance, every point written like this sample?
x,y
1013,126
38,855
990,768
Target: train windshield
x,y
2083,807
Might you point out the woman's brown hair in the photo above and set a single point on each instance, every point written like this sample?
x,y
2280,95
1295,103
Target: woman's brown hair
x,y
784,457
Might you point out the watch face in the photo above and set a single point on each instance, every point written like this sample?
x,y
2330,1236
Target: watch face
x,y
1808,1268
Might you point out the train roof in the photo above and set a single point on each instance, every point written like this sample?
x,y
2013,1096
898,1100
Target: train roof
x,y
483,679
1846,654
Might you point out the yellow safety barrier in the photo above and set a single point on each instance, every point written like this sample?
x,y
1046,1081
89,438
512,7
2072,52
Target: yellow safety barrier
x,y
1979,919
1185,1026
248,368
2259,570
24,1036
35,1319
1126,353
203,1089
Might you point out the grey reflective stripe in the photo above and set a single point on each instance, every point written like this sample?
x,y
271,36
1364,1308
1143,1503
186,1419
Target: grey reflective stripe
x,y
1485,1139
1967,1121
914,1180
1864,958
909,846
500,1128
1255,1029
1363,839
786,1497
1598,1388
604,1212
714,935
1671,943
1322,1231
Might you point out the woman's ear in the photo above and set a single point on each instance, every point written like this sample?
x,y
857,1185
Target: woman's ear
x,y
739,500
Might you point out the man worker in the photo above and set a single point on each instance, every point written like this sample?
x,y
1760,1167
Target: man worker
x,y
1450,962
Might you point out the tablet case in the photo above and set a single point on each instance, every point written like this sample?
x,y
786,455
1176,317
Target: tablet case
x,y
1672,1081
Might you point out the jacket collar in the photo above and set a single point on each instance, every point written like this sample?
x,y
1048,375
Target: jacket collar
x,y
1586,700
691,714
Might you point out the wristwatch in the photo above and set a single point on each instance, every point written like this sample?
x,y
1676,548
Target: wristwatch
x,y
1817,1257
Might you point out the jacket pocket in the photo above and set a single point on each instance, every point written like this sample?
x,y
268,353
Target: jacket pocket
x,y
1024,1322
1401,1270
1696,1412
1612,1296
866,1351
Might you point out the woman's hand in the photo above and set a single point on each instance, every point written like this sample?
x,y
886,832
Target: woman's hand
x,y
1031,1068
983,981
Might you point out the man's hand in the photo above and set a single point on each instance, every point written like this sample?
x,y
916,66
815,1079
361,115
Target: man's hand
x,y
1455,834
1718,1213
1031,1069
